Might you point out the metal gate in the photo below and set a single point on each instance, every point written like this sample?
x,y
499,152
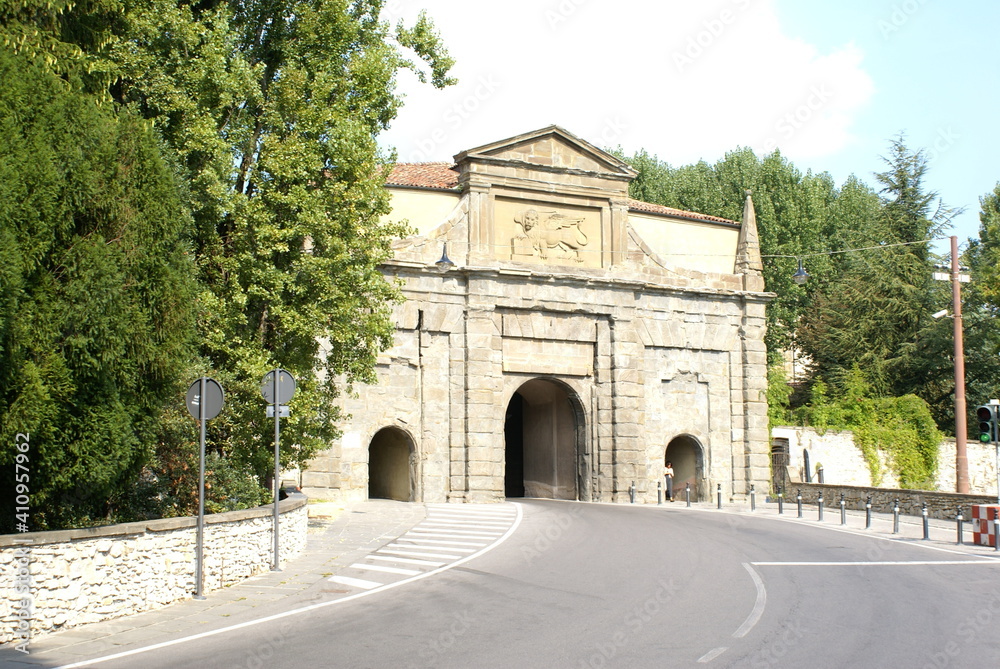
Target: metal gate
x,y
779,464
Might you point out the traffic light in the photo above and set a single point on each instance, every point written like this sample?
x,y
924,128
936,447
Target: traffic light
x,y
987,415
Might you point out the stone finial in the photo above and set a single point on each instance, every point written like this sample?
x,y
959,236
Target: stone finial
x,y
748,247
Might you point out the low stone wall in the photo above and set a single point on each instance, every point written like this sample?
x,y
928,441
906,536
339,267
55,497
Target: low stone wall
x,y
941,505
86,575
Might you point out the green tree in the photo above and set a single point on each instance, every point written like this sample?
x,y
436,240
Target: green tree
x,y
97,283
272,109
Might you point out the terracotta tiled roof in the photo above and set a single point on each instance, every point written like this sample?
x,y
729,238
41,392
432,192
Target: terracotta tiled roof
x,y
423,175
441,175
638,205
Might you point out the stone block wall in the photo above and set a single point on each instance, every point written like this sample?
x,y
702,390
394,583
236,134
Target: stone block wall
x,y
843,463
87,575
942,505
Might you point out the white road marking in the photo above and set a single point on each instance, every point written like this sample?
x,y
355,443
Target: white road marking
x,y
388,570
305,609
417,547
406,560
446,535
441,542
893,563
457,532
758,606
462,523
355,582
712,654
412,554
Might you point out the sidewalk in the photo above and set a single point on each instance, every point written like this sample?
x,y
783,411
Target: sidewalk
x,y
338,537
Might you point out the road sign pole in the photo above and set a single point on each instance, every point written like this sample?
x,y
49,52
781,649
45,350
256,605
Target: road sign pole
x,y
200,547
277,463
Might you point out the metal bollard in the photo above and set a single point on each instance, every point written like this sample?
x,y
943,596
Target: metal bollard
x,y
659,492
868,513
718,492
996,533
753,497
798,500
687,493
843,510
820,505
958,520
895,517
927,527
631,493
781,502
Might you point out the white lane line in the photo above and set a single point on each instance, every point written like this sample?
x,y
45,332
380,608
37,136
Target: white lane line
x,y
447,535
402,560
895,563
452,517
483,532
356,582
758,607
712,654
417,547
455,523
442,542
388,570
304,609
443,556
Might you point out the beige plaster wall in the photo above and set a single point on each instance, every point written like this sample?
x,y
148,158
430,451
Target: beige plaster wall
x,y
688,244
424,210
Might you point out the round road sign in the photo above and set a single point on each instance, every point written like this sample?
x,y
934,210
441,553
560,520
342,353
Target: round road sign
x,y
286,387
213,400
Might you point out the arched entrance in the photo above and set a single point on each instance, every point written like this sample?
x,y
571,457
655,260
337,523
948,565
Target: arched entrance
x,y
687,456
389,475
543,434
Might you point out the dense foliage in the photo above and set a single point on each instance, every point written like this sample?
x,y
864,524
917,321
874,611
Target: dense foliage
x,y
194,188
865,312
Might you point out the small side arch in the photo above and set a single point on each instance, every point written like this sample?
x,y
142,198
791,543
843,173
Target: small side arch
x,y
390,465
688,458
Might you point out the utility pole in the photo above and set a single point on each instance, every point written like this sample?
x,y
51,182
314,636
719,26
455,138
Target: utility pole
x,y
961,434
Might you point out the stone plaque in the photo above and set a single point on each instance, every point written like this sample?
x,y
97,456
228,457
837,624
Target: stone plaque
x,y
551,234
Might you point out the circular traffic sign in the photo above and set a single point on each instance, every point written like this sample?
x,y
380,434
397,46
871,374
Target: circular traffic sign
x,y
286,387
213,400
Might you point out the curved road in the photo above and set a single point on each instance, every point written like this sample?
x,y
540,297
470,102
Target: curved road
x,y
591,585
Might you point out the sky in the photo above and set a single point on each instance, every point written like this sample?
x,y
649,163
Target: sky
x,y
828,83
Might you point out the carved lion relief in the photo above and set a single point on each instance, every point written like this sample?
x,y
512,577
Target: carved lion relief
x,y
547,232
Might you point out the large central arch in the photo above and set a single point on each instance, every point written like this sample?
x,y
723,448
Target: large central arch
x,y
543,434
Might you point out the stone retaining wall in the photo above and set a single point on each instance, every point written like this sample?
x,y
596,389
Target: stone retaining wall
x,y
86,575
941,505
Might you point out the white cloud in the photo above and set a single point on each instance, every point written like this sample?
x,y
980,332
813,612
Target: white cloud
x,y
681,80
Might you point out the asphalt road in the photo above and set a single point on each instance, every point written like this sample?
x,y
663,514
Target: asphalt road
x,y
593,585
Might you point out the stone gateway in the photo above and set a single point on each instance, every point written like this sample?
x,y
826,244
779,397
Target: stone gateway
x,y
578,341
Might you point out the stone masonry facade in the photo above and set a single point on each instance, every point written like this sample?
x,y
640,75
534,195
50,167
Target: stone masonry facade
x,y
555,304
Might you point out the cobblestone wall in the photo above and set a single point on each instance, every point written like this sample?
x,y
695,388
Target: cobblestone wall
x,y
87,575
941,505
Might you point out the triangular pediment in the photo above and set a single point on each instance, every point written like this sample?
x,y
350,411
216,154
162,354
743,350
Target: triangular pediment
x,y
553,148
